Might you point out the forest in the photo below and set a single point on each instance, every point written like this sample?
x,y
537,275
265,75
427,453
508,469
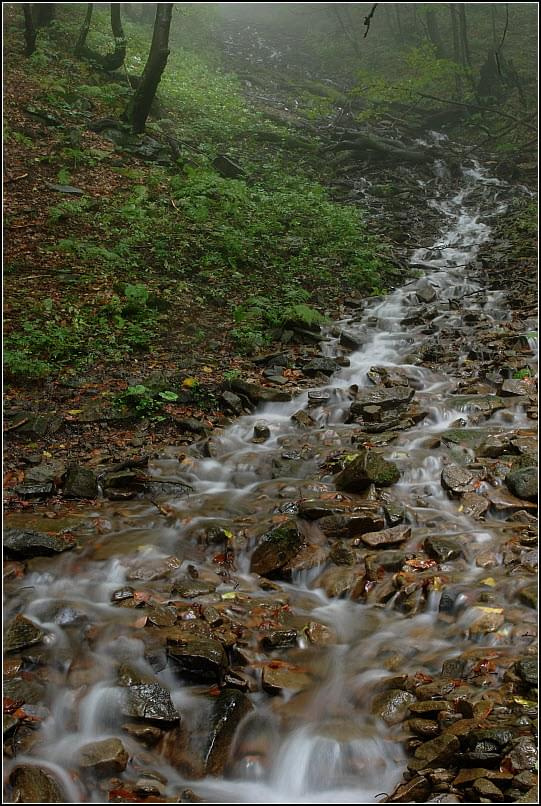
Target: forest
x,y
270,402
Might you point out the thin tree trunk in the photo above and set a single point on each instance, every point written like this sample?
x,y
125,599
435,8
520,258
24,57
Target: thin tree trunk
x,y
139,107
464,35
116,59
30,32
79,47
112,61
456,45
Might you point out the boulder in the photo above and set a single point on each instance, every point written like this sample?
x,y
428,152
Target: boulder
x,y
456,479
24,544
276,548
106,757
21,633
523,483
387,537
80,483
366,468
31,784
199,657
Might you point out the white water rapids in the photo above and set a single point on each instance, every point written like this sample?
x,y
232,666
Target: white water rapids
x,y
323,746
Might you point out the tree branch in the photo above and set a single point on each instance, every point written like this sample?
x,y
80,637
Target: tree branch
x,y
368,19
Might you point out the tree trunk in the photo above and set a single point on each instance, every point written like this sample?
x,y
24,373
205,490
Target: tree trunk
x,y
44,14
465,47
116,59
30,32
79,47
139,106
434,32
112,61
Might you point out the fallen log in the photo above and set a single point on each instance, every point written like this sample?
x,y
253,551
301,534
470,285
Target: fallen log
x,y
384,148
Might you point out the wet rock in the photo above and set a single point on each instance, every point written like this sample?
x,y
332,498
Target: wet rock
x,y
416,790
337,581
456,479
474,505
35,491
425,292
525,780
511,387
21,633
366,468
24,690
279,639
425,707
276,680
189,588
80,483
486,620
25,544
228,711
276,548
318,397
389,560
528,596
487,789
149,735
395,397
436,752
201,658
107,757
523,483
31,784
309,556
523,756
46,473
392,706
387,537
123,484
466,776
149,701
259,394
350,340
232,402
443,549
341,553
261,432
325,366
303,419
319,634
527,670
425,728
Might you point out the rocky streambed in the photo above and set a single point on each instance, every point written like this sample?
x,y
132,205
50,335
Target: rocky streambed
x,y
332,600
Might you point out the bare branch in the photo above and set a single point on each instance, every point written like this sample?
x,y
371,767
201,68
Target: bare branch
x,y
368,19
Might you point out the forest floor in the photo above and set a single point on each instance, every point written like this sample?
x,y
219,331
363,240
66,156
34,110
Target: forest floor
x,y
110,351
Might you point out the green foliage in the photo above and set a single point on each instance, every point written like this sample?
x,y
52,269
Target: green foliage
x,y
520,374
421,71
56,335
69,208
18,364
145,402
259,314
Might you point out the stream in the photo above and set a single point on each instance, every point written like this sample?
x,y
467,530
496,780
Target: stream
x,y
292,708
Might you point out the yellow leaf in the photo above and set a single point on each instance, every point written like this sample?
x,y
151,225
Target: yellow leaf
x,y
207,369
229,595
228,534
74,411
189,382
47,454
489,581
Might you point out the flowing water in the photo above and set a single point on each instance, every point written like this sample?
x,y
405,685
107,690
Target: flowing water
x,y
321,744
